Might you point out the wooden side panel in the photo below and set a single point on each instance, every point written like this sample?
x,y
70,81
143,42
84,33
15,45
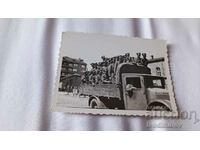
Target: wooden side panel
x,y
106,90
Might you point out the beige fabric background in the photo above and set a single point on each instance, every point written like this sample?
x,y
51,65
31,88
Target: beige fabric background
x,y
28,58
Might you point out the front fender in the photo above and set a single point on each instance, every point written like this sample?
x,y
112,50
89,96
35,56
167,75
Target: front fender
x,y
164,102
91,97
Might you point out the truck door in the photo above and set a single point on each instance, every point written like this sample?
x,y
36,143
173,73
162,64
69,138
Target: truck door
x,y
133,91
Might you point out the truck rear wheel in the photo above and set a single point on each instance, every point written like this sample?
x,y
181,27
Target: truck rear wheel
x,y
95,104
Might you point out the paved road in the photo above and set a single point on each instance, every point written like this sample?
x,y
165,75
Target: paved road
x,y
72,101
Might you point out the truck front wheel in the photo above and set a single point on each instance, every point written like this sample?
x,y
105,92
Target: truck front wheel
x,y
157,107
96,104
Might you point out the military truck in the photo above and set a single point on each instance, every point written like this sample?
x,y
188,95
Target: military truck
x,y
134,89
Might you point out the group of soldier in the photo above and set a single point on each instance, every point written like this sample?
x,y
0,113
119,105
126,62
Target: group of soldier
x,y
105,71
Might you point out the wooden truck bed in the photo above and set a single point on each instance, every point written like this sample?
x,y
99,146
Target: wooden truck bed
x,y
105,90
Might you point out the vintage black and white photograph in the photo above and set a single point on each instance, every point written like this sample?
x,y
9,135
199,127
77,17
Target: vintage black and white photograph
x,y
104,74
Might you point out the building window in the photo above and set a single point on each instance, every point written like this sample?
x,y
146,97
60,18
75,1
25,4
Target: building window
x,y
75,65
69,69
70,65
64,63
74,69
83,66
133,81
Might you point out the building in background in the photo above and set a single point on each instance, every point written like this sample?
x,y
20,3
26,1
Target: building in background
x,y
71,71
157,66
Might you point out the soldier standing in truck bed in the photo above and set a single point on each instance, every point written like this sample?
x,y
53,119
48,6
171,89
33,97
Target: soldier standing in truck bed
x,y
104,76
104,59
127,57
118,61
93,77
144,59
111,68
90,77
92,64
138,59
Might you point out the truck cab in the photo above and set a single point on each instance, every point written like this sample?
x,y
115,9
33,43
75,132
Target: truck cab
x,y
145,92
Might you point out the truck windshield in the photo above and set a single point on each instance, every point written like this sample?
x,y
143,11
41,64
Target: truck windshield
x,y
154,82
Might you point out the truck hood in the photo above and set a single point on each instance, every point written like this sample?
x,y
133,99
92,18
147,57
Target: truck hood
x,y
157,94
158,90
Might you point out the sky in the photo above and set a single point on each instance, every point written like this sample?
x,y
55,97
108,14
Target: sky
x,y
90,47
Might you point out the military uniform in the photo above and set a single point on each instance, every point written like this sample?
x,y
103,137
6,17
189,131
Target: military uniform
x,y
138,59
144,60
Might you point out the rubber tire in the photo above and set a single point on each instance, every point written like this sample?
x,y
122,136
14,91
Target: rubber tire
x,y
96,104
161,107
